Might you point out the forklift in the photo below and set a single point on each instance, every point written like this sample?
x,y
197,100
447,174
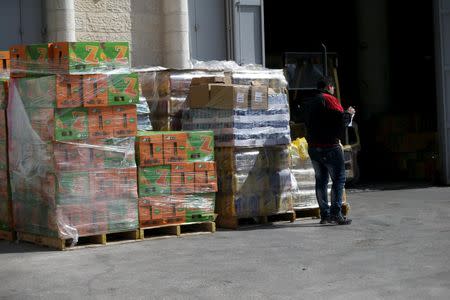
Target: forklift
x,y
302,71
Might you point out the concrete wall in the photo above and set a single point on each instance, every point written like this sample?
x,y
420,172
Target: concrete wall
x,y
139,22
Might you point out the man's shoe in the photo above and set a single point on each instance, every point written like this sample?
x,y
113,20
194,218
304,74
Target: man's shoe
x,y
325,221
341,220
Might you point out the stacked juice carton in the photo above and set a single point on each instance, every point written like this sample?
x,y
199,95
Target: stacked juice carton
x,y
249,114
5,200
177,177
72,121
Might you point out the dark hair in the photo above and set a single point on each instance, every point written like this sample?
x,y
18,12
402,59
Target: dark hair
x,y
324,82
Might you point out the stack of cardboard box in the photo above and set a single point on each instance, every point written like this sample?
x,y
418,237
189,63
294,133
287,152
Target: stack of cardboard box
x,y
72,125
249,115
177,177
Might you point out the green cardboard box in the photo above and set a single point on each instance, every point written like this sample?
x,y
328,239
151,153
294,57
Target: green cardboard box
x,y
77,57
116,54
123,89
71,124
200,146
154,181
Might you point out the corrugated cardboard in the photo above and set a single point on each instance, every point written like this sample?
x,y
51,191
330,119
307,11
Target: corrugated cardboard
x,y
226,96
259,97
198,96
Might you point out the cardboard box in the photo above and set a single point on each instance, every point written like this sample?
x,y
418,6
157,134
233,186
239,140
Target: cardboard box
x,y
205,177
150,149
123,89
71,124
124,120
100,120
144,210
4,61
198,96
76,57
225,96
154,181
95,90
259,97
200,146
42,120
80,217
116,54
175,147
69,91
30,59
182,178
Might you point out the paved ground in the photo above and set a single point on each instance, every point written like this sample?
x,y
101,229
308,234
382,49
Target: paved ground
x,y
397,248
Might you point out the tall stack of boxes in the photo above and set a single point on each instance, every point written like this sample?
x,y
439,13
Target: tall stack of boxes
x,y
177,177
249,114
72,126
5,199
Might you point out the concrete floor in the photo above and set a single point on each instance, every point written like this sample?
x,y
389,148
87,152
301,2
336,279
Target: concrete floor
x,y
398,247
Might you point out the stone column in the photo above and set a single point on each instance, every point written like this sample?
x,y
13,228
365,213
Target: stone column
x,y
60,20
176,34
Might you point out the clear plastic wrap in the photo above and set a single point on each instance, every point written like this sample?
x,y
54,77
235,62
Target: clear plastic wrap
x,y
155,88
304,191
253,182
177,177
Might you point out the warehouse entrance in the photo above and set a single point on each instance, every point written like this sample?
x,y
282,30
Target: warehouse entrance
x,y
385,69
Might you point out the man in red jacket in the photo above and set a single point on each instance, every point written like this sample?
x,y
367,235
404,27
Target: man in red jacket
x,y
325,121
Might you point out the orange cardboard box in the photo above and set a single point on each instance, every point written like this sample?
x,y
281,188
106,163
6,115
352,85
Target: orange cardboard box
x,y
124,120
4,61
17,54
95,90
175,147
144,209
182,180
178,202
150,150
69,91
205,177
100,121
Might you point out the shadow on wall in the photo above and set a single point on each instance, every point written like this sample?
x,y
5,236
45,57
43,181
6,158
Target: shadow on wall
x,y
146,33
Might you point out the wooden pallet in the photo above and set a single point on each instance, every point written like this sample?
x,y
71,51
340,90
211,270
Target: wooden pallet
x,y
314,212
83,242
7,235
178,230
237,222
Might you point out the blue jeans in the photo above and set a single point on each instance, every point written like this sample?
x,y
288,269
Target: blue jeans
x,y
328,162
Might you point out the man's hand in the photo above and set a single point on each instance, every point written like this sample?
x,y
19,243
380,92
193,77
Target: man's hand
x,y
351,110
